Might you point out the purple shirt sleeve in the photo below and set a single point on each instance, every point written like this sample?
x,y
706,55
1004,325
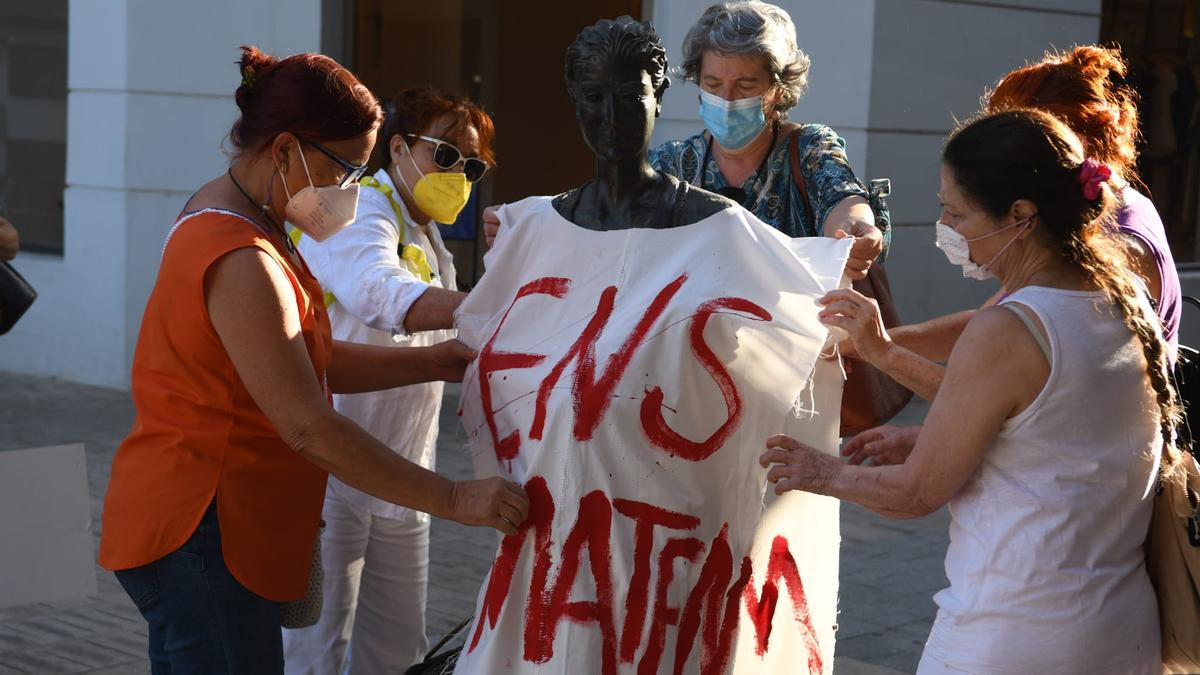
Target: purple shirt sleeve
x,y
1138,218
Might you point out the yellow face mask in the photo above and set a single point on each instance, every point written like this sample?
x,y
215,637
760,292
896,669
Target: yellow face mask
x,y
439,195
442,196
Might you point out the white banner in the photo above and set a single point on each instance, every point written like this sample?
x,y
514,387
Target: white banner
x,y
629,380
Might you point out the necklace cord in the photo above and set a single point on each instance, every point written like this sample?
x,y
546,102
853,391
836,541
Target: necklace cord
x,y
757,172
262,208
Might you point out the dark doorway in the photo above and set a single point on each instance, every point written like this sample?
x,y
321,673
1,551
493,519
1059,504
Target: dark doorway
x,y
1158,38
506,55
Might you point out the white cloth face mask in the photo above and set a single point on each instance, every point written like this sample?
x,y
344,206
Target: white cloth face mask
x,y
320,212
958,252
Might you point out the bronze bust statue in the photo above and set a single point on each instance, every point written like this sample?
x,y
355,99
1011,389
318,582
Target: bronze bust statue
x,y
616,74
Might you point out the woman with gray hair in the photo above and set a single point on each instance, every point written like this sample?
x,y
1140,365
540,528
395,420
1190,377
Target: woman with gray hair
x,y
744,57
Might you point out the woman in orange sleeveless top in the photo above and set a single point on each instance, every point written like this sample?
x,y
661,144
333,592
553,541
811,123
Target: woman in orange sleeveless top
x,y
215,497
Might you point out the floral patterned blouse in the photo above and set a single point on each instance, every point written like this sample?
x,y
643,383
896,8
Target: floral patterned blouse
x,y
773,196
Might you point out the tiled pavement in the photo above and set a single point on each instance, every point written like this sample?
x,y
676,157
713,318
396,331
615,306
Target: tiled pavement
x,y
890,569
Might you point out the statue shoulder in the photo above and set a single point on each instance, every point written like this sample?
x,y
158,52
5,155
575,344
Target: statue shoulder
x,y
699,204
566,202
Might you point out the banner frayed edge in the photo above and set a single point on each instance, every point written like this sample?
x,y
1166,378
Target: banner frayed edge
x,y
802,409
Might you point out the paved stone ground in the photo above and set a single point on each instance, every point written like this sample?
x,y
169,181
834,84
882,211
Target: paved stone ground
x,y
890,569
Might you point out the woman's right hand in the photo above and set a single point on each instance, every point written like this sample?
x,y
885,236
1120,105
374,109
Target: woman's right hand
x,y
884,445
859,316
868,245
448,361
491,224
494,502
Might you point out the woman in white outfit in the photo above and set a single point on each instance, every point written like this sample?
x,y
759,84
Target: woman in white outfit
x,y
389,280
1046,433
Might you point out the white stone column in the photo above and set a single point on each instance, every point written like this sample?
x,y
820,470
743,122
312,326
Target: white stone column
x,y
150,103
933,60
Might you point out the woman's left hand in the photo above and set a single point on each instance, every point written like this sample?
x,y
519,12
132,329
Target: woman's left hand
x,y
798,466
448,360
859,316
868,244
491,224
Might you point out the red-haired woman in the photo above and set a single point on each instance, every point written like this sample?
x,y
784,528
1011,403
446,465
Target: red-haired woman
x,y
390,275
215,497
1084,87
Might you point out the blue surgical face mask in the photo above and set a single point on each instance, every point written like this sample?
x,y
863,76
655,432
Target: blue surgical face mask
x,y
732,123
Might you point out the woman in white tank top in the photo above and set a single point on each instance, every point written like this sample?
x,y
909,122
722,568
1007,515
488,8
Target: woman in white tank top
x,y
1046,431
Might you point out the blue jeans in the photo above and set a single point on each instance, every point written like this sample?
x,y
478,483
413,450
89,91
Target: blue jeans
x,y
202,620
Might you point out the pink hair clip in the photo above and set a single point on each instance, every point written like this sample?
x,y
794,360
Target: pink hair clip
x,y
1091,175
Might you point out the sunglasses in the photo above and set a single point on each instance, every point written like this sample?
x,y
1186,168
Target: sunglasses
x,y
353,171
446,157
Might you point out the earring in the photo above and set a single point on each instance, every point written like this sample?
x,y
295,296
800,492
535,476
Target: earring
x,y
282,163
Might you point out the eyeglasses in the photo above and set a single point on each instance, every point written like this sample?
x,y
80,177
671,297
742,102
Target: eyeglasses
x,y
353,171
446,157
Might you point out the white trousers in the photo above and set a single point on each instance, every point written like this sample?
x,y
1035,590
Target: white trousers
x,y
376,571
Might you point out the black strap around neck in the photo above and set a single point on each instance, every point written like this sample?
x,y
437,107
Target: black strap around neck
x,y
746,202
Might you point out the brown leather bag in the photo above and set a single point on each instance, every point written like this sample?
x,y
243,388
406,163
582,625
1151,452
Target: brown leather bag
x,y
870,397
1173,563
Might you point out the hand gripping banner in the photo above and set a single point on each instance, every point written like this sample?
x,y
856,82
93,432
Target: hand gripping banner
x,y
629,380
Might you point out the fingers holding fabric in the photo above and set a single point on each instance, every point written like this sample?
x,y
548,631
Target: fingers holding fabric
x,y
792,465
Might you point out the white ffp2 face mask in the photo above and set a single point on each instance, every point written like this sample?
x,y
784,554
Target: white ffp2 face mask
x,y
320,212
958,252
954,245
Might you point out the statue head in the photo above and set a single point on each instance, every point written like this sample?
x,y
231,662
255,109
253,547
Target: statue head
x,y
616,74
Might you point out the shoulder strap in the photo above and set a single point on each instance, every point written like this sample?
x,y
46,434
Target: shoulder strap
x,y
411,253
373,182
798,176
1022,313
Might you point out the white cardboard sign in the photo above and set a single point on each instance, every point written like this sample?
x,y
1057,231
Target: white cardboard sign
x,y
46,554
